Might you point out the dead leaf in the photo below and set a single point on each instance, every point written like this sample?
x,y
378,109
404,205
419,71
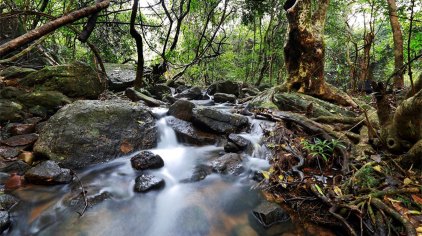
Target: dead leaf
x,y
378,168
407,181
337,190
417,199
126,147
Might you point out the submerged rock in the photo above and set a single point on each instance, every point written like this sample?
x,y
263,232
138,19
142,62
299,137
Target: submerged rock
x,y
224,97
7,201
48,173
231,147
144,183
146,160
188,133
268,213
4,221
89,132
230,163
182,109
240,141
218,121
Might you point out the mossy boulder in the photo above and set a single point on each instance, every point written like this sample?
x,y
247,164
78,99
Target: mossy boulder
x,y
10,111
88,132
228,87
74,80
51,100
13,72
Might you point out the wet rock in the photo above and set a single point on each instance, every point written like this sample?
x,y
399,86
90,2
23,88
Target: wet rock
x,y
193,220
224,97
146,160
182,109
120,76
250,91
144,183
199,173
231,147
18,129
18,167
230,163
7,201
14,182
48,173
188,133
10,111
50,100
135,96
10,92
191,94
240,141
74,80
181,88
8,152
13,72
229,87
218,121
88,132
268,213
4,221
160,91
20,140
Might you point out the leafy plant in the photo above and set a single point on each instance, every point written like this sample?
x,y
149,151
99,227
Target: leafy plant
x,y
322,148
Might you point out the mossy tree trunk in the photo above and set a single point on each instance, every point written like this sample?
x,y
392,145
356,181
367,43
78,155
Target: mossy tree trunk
x,y
304,51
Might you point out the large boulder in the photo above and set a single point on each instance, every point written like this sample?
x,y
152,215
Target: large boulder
x,y
73,80
224,97
218,121
191,94
120,76
10,111
268,213
144,183
89,132
146,160
188,133
13,72
182,109
50,100
48,173
229,87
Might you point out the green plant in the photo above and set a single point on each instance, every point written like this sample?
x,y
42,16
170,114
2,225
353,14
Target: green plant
x,y
322,148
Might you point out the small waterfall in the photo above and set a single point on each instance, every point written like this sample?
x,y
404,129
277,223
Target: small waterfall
x,y
168,137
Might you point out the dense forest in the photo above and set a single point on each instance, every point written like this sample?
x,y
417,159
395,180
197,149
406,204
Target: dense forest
x,y
212,117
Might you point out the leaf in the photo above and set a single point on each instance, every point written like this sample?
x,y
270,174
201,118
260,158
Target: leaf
x,y
337,190
407,181
266,174
419,229
377,168
319,189
417,199
281,177
414,212
126,147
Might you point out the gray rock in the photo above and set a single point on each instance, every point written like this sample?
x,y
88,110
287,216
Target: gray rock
x,y
20,140
10,111
231,147
7,201
188,133
224,97
4,221
13,72
89,132
19,167
135,96
250,91
50,100
160,91
74,80
120,76
192,93
229,87
218,121
182,109
146,160
48,173
181,88
240,141
144,183
9,152
230,163
268,213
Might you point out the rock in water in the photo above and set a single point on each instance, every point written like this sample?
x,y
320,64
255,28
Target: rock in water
x,y
224,97
187,133
230,163
229,87
47,173
144,183
218,121
268,213
240,141
146,160
89,132
182,109
192,93
4,221
7,201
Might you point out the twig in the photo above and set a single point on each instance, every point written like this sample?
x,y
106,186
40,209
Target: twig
x,y
83,194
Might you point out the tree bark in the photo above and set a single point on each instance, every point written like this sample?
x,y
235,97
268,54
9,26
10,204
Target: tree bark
x,y
139,80
398,44
51,26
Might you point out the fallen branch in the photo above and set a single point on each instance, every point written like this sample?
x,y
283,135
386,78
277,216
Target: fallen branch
x,y
83,194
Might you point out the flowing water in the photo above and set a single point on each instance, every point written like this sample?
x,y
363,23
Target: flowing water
x,y
217,205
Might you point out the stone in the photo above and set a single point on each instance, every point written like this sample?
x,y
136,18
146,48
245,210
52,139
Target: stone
x,y
182,109
146,160
191,94
181,88
14,182
188,133
88,132
135,96
13,72
7,201
231,147
20,140
48,173
18,129
120,76
218,121
199,173
230,164
268,213
18,167
4,221
10,111
224,97
50,100
160,91
250,91
240,141
10,92
76,80
145,183
228,87
9,152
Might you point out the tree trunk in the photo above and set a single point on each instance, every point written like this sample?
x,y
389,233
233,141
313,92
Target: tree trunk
x,y
139,80
304,51
51,26
398,44
365,63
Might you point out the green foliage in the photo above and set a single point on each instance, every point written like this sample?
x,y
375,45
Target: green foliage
x,y
322,148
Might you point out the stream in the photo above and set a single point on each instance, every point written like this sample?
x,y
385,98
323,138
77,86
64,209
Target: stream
x,y
217,205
